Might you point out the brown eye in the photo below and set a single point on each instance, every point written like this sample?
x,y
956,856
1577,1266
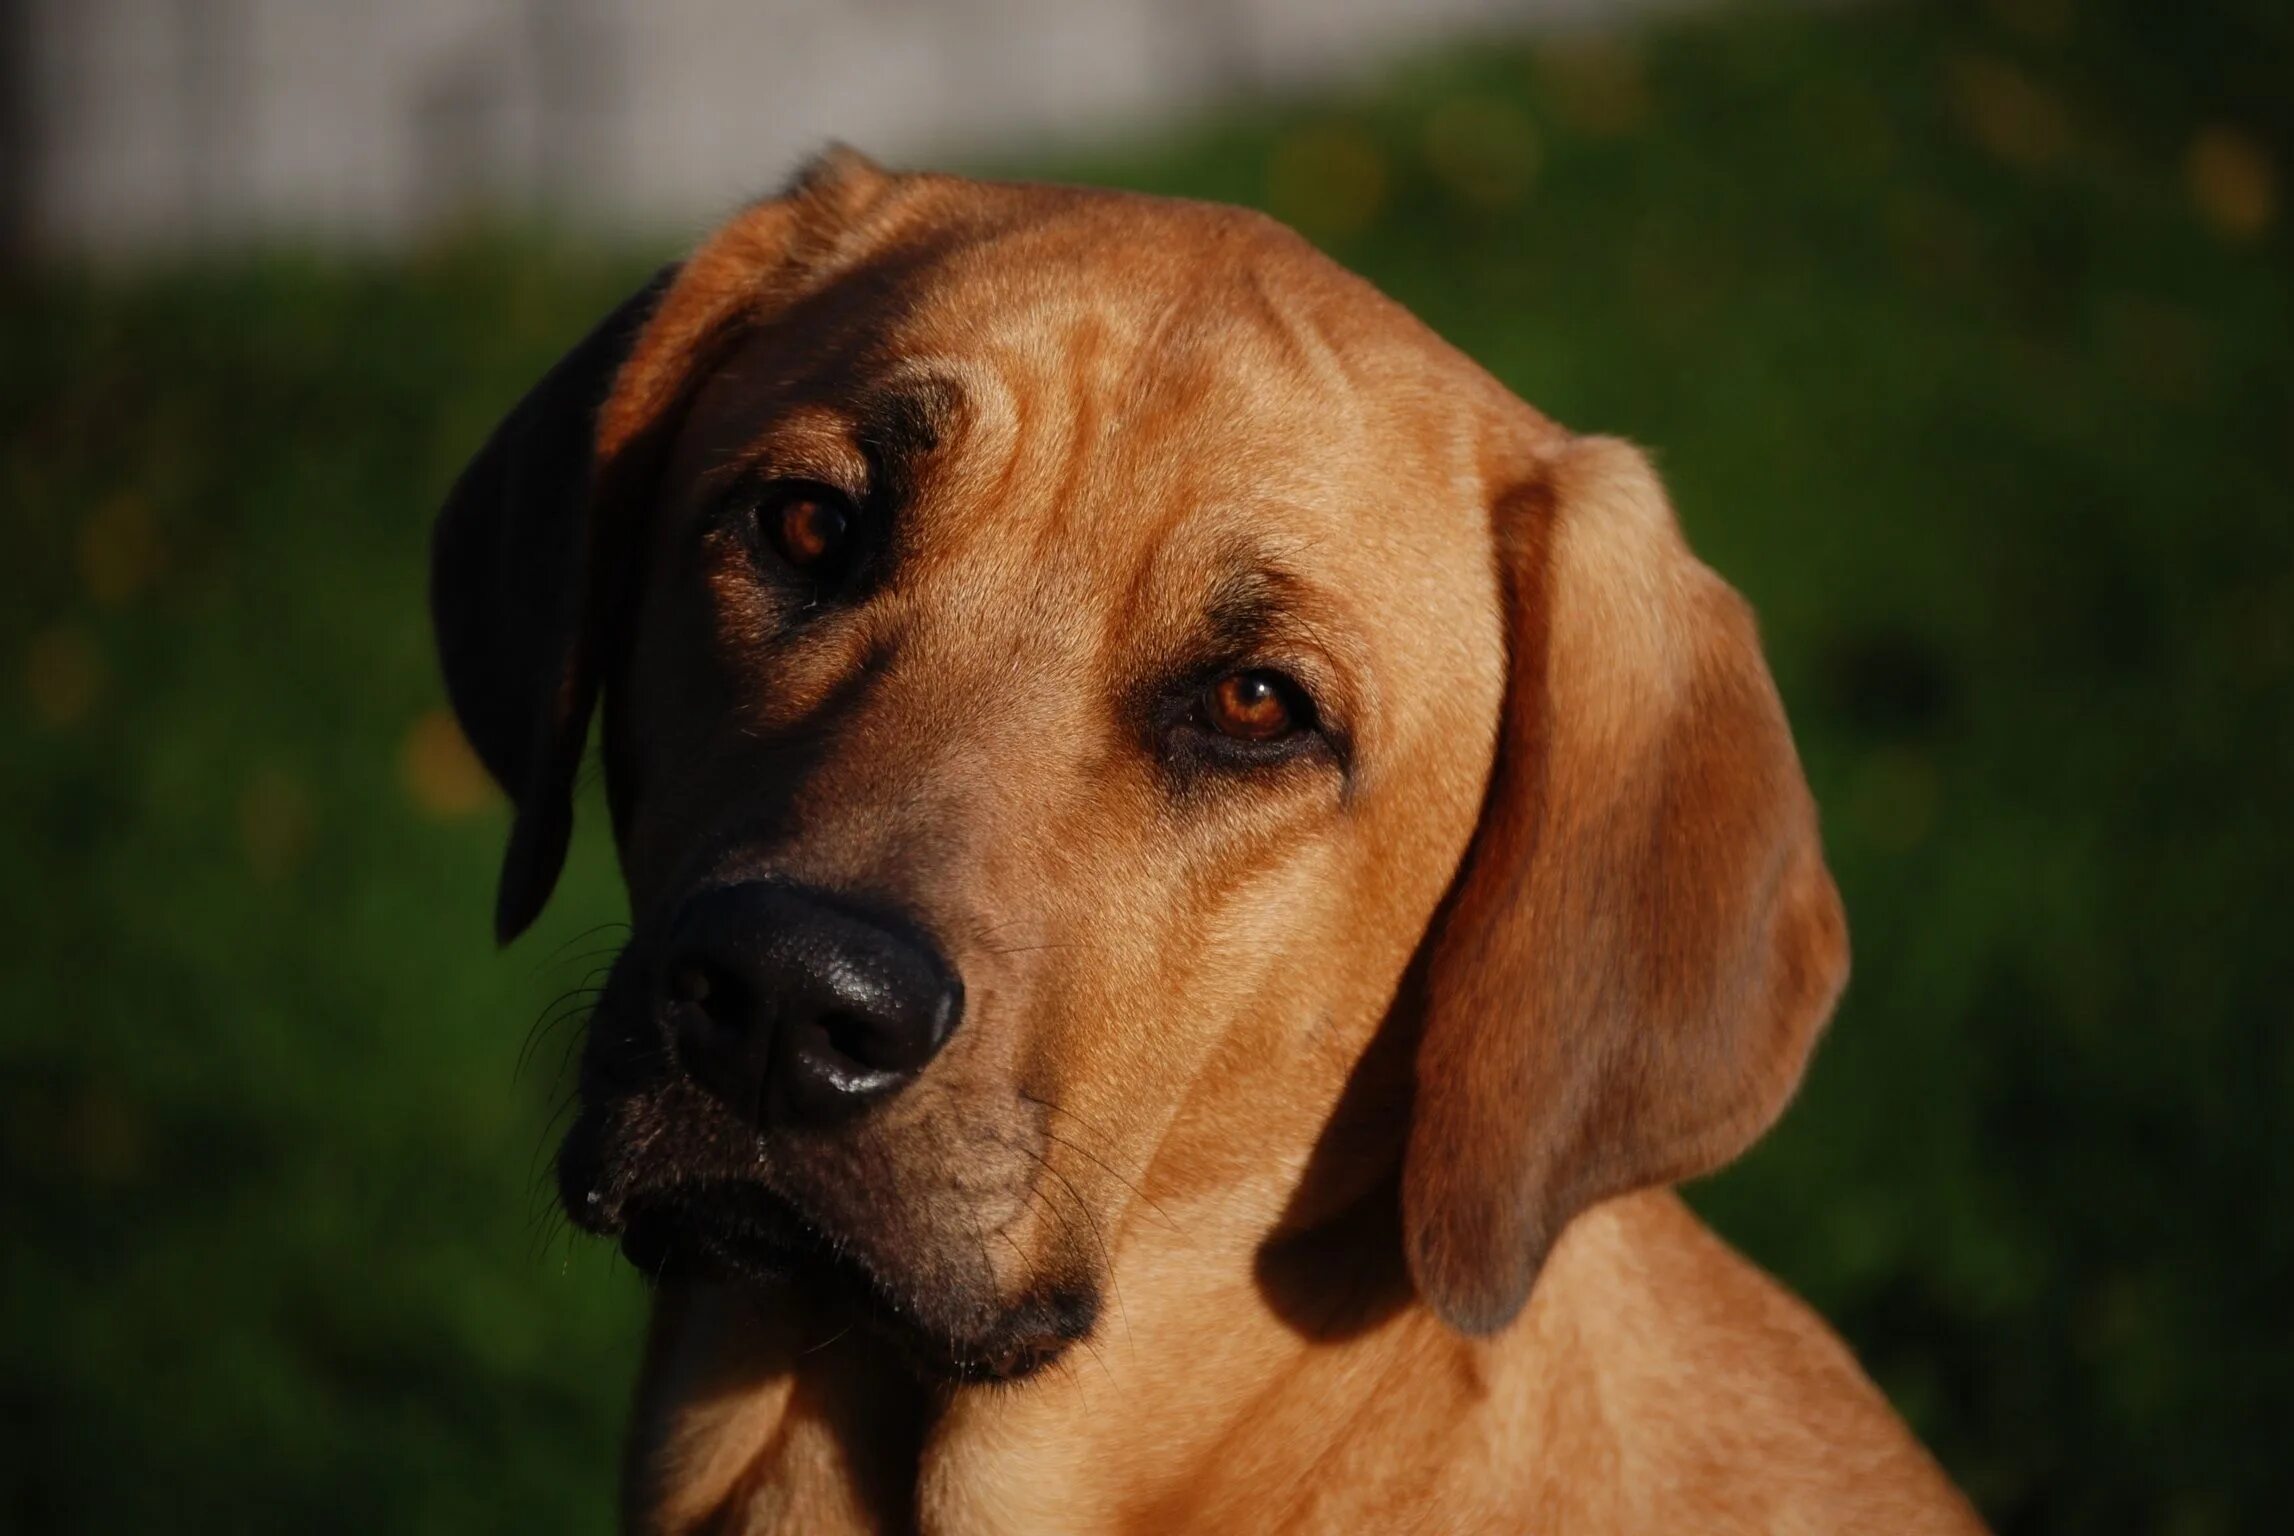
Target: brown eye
x,y
809,529
1254,706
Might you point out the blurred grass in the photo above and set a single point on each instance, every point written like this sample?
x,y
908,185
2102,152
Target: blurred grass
x,y
1963,337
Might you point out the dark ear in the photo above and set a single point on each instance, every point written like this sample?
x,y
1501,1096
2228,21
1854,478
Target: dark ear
x,y
533,556
509,577
1643,942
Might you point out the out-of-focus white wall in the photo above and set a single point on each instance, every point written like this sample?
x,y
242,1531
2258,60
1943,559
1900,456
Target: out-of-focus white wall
x,y
150,124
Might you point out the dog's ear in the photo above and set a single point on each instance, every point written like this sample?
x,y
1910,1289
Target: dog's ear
x,y
1643,942
533,558
509,572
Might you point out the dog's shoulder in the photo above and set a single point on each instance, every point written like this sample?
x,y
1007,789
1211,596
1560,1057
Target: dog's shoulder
x,y
1723,1402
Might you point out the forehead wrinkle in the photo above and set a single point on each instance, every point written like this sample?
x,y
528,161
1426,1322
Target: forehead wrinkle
x,y
1002,491
1242,391
1164,503
1086,422
1296,336
989,428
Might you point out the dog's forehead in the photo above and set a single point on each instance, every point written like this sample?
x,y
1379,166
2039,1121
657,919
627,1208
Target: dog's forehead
x,y
1193,327
1123,369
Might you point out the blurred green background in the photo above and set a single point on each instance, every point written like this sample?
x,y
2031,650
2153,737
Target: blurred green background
x,y
1963,337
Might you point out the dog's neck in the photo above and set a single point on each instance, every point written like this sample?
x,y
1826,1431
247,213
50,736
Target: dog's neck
x,y
1197,1403
752,1403
1249,1329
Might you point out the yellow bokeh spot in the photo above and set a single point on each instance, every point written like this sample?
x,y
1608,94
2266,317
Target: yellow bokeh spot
x,y
2232,181
1326,181
119,550
2009,113
441,775
1597,83
63,675
277,823
1484,149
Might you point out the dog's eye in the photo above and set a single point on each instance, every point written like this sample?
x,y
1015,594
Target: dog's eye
x,y
1256,706
810,527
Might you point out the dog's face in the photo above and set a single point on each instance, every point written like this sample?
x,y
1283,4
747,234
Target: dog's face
x,y
1054,650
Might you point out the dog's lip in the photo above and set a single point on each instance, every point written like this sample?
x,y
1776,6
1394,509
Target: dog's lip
x,y
686,1232
672,1221
676,1221
592,1201
610,1194
741,1231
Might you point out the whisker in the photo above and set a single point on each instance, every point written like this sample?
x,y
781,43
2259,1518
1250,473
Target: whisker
x,y
554,1016
541,1164
1152,1203
1061,1109
553,956
594,954
1105,1257
814,1349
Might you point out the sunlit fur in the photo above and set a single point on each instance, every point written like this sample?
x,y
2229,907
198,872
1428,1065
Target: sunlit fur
x,y
1299,1164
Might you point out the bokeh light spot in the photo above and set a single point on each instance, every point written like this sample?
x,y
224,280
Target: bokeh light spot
x,y
1597,84
1484,149
2232,181
64,675
119,550
2009,113
1326,181
277,824
441,775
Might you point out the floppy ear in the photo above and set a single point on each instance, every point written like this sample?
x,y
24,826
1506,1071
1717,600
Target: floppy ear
x,y
533,558
1643,942
510,569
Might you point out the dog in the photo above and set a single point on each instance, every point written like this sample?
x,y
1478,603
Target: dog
x,y
1197,869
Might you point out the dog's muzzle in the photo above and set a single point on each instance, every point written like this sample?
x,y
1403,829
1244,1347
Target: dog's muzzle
x,y
792,1008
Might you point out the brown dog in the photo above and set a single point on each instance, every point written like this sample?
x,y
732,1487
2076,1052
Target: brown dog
x,y
1196,867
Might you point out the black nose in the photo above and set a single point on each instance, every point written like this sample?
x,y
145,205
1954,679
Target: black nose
x,y
791,1006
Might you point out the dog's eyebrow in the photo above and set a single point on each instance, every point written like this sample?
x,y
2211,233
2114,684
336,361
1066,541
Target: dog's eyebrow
x,y
870,442
899,423
1257,595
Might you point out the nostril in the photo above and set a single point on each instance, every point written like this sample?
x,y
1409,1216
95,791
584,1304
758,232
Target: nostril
x,y
699,989
875,1043
790,1006
691,986
713,1030
849,1052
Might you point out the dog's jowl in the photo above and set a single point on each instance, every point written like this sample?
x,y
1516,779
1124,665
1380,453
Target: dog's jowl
x,y
1196,869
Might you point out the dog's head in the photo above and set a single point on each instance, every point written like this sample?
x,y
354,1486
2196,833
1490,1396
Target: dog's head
x,y
1075,669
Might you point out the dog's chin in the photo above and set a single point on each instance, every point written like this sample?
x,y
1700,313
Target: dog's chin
x,y
737,1231
743,1234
